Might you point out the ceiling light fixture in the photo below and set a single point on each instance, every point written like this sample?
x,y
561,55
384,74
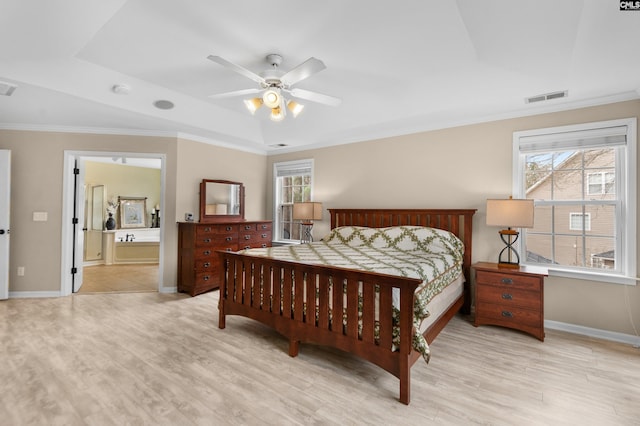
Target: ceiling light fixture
x,y
295,108
277,114
272,98
253,104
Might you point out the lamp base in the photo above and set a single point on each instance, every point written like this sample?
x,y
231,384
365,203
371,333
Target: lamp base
x,y
305,232
509,237
507,265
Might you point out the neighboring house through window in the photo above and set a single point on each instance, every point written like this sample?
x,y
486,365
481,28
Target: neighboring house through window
x,y
583,181
292,184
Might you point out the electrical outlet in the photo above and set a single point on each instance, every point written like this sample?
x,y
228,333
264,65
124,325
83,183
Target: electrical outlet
x,y
21,271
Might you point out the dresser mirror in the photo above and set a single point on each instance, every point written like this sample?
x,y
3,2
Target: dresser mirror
x,y
221,201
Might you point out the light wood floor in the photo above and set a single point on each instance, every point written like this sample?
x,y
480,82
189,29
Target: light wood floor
x,y
159,359
119,278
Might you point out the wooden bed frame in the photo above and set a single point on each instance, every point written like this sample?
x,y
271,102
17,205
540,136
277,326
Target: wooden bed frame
x,y
247,289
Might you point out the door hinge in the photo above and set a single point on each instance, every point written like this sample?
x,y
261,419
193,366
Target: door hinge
x,y
76,171
74,220
74,270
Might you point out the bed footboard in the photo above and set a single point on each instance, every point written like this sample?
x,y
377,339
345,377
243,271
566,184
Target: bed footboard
x,y
303,302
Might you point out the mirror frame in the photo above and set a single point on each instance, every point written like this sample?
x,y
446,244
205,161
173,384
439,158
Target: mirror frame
x,y
209,218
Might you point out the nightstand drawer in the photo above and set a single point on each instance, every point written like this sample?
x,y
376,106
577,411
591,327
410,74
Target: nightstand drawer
x,y
508,297
508,280
508,316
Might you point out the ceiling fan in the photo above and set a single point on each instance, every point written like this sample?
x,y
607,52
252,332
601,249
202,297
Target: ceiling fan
x,y
274,84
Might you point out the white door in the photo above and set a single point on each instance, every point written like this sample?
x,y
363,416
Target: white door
x,y
5,190
79,215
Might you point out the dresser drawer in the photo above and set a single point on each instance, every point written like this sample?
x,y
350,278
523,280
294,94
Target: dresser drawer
x,y
508,297
204,264
210,230
254,239
513,317
508,280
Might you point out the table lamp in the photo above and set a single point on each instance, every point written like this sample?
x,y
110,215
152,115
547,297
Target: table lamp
x,y
306,213
509,213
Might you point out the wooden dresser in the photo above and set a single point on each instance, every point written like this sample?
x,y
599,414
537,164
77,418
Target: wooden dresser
x,y
197,245
511,298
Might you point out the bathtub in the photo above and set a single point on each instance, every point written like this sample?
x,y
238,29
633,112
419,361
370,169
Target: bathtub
x,y
139,245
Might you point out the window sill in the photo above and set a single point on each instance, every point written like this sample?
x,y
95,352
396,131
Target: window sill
x,y
593,276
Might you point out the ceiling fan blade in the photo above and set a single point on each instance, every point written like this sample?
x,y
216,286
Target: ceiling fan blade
x,y
234,93
315,97
237,68
302,71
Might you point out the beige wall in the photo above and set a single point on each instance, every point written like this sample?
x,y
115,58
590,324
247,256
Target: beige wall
x,y
37,185
125,181
197,161
460,168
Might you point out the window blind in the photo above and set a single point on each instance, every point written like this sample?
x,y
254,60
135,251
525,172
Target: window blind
x,y
592,138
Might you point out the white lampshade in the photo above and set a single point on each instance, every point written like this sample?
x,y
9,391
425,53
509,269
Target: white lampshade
x,y
510,213
253,104
272,98
295,108
277,114
307,211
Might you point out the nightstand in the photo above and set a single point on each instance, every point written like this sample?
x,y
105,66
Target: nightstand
x,y
510,297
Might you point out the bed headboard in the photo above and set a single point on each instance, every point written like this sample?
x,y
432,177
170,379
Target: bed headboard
x,y
456,221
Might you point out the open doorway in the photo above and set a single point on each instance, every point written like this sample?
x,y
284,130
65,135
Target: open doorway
x,y
123,189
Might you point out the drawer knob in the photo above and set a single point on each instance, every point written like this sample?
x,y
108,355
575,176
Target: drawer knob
x,y
228,249
264,226
507,296
247,237
207,252
229,228
264,245
507,281
207,240
507,314
207,229
205,278
206,264
229,238
264,235
247,227
247,247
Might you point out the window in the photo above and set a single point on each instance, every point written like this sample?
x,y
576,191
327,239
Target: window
x,y
292,184
583,181
580,221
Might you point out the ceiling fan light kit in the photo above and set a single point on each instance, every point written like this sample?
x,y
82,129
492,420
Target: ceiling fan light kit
x,y
272,98
274,82
253,104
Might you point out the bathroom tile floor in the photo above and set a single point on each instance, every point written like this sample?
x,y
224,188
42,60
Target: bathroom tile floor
x,y
119,278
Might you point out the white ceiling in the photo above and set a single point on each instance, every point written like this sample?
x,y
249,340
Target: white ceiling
x,y
400,67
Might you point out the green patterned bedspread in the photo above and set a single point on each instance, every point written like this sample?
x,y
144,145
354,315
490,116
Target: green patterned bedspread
x,y
432,255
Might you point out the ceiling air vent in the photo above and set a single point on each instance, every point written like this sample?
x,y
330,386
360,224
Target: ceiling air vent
x,y
278,145
6,89
547,96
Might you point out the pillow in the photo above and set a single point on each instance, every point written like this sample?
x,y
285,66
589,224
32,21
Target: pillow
x,y
405,238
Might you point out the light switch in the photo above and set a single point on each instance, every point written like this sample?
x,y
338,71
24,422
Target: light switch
x,y
40,216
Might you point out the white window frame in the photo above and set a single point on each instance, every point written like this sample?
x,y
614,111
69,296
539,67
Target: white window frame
x,y
278,170
561,138
585,221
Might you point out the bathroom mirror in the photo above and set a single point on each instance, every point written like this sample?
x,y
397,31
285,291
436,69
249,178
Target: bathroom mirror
x,y
221,201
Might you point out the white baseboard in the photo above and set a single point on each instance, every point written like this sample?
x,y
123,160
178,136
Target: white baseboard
x,y
32,294
168,290
593,332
